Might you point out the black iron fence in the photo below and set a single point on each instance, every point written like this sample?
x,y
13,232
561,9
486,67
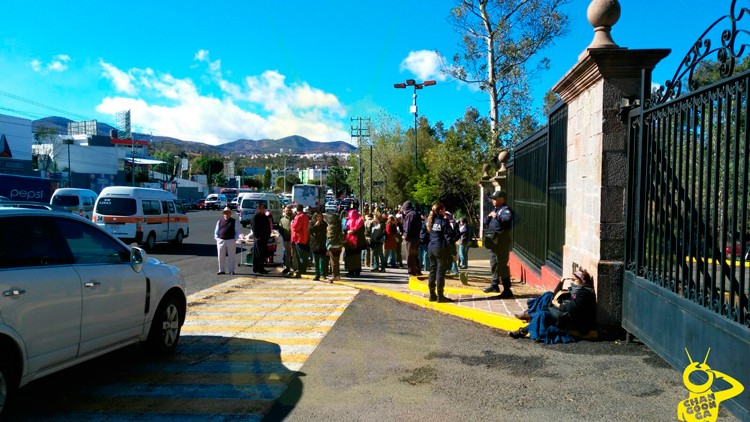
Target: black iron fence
x,y
688,201
537,193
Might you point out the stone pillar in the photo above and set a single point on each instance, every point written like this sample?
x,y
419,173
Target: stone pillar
x,y
489,184
597,167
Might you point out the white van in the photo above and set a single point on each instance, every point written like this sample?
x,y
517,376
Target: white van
x,y
248,205
216,201
77,201
141,215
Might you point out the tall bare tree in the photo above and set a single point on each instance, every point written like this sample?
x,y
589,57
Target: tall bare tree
x,y
500,39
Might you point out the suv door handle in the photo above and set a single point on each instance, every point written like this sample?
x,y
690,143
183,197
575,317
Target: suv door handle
x,y
92,284
9,293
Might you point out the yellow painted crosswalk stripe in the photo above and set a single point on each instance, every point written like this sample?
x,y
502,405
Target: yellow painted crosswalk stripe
x,y
241,345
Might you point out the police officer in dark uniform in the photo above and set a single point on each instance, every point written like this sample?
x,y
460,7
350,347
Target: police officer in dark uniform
x,y
439,251
499,222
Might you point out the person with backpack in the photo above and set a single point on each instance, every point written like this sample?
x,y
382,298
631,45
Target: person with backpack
x,y
497,238
439,251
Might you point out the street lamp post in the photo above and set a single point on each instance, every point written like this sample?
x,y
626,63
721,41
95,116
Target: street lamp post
x,y
413,83
68,142
281,151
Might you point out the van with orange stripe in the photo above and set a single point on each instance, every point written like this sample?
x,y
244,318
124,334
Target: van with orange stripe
x,y
141,215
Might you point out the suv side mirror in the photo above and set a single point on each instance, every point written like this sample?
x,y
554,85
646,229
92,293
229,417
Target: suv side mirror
x,y
137,258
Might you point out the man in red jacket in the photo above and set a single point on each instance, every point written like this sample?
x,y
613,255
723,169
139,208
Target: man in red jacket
x,y
300,239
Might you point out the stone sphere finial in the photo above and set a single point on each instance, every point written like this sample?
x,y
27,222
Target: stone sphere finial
x,y
602,15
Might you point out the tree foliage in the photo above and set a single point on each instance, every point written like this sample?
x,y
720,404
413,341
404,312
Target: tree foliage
x,y
500,39
44,137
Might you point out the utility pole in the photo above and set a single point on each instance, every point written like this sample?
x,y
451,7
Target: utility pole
x,y
359,132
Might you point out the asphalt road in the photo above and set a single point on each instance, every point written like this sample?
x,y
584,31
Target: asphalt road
x,y
385,360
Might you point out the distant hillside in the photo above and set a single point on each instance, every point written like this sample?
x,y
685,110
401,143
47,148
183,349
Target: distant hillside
x,y
298,144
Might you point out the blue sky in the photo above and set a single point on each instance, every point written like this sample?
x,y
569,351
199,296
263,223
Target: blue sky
x,y
221,70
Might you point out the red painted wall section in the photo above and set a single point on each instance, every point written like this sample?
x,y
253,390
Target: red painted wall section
x,y
547,278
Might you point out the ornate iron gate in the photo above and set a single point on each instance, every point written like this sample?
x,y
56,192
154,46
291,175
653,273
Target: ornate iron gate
x,y
687,262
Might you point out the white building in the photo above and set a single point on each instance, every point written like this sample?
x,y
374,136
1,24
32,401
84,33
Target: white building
x,y
16,132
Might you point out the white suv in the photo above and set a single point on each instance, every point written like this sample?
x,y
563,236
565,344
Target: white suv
x,y
70,292
216,201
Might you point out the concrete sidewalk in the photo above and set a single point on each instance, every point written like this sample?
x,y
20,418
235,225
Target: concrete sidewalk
x,y
469,302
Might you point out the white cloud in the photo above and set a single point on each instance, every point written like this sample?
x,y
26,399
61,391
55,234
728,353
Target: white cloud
x,y
59,63
263,106
424,64
122,80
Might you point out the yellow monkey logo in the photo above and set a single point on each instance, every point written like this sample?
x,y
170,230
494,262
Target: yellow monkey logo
x,y
703,403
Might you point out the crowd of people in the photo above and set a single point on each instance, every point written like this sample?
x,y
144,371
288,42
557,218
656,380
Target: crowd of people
x,y
316,243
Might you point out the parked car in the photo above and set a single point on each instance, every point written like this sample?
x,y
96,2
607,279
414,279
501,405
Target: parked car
x,y
347,204
199,204
738,251
216,201
331,206
76,201
71,292
233,203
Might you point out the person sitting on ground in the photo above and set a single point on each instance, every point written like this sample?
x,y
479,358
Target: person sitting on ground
x,y
552,313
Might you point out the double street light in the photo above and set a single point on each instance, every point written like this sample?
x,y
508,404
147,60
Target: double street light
x,y
413,83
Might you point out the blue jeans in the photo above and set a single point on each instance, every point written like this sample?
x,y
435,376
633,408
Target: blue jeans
x,y
301,255
390,257
423,258
378,259
463,256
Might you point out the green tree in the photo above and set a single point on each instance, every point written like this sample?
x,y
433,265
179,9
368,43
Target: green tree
x,y
337,178
456,164
499,40
267,179
44,137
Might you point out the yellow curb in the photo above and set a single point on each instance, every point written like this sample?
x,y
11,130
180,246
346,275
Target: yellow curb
x,y
489,319
416,285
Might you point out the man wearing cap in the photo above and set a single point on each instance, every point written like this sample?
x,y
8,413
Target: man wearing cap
x,y
499,223
226,235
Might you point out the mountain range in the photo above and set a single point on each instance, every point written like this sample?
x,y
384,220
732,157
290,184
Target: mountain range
x,y
297,144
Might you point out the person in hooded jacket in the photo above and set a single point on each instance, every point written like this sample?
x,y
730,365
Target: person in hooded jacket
x,y
439,252
354,243
334,244
412,228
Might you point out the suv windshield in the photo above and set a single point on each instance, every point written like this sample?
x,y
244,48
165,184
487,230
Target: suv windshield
x,y
116,206
65,200
253,203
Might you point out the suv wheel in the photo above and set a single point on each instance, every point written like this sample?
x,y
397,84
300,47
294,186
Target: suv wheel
x,y
178,239
165,328
150,242
8,385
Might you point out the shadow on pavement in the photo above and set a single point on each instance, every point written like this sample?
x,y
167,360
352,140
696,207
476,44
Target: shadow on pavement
x,y
207,377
